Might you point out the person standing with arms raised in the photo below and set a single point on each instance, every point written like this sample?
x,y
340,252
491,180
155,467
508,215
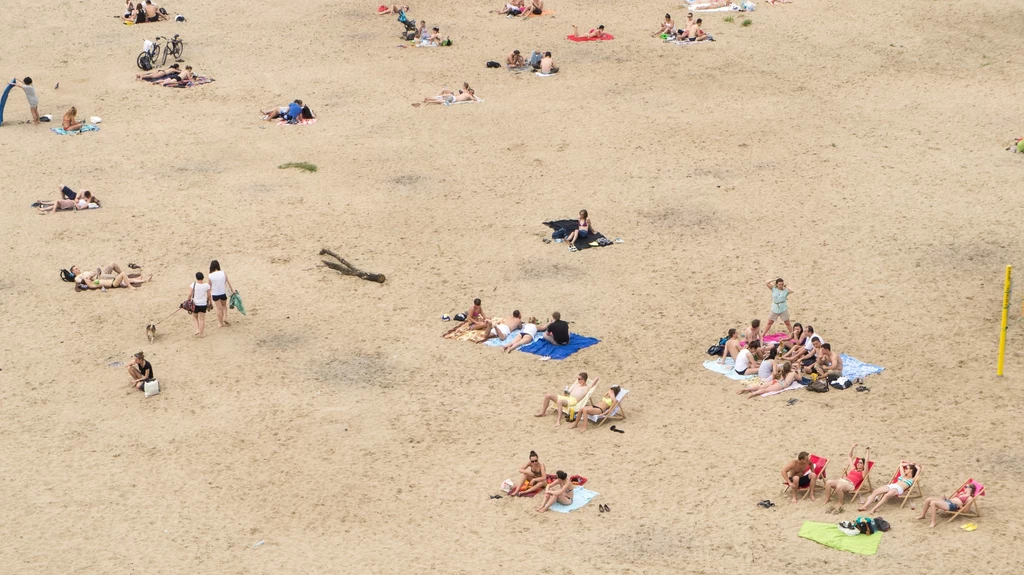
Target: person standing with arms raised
x,y
780,308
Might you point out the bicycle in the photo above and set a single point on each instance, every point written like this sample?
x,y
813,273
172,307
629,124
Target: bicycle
x,y
147,59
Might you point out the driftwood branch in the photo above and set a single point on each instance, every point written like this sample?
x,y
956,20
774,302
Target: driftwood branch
x,y
348,269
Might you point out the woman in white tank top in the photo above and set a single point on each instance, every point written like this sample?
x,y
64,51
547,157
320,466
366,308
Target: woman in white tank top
x,y
198,293
220,287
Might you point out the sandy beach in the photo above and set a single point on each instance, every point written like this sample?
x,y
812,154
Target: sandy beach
x,y
855,149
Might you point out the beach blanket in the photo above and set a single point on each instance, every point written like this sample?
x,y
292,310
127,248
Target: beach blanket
x,y
569,226
580,497
302,122
542,13
543,75
774,337
829,535
195,81
85,128
543,347
729,8
853,367
495,342
728,369
480,100
462,332
585,39
795,385
688,42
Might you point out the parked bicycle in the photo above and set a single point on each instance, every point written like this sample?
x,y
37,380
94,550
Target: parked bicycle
x,y
155,53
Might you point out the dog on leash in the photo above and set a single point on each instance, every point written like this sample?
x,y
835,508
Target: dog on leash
x,y
151,332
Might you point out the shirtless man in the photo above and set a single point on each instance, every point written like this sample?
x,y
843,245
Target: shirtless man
x,y
475,316
667,27
799,474
502,330
515,60
732,347
547,64
152,14
569,397
753,332
694,32
829,363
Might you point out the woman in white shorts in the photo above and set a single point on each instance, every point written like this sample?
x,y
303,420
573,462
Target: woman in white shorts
x,y
905,480
527,335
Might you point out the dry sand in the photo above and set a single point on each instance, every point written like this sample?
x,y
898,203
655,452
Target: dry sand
x,y
854,148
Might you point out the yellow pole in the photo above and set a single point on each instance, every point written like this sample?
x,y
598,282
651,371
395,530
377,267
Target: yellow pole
x,y
1002,328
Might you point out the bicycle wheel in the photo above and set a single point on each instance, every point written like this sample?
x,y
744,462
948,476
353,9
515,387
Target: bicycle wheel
x,y
143,62
162,53
179,49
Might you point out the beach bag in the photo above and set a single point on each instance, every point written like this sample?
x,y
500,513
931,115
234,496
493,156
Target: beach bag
x,y
67,276
493,64
461,316
818,385
189,306
841,383
881,524
409,36
716,350
144,63
866,525
507,486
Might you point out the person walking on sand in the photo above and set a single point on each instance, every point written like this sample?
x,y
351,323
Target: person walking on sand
x,y
780,309
30,93
198,294
220,287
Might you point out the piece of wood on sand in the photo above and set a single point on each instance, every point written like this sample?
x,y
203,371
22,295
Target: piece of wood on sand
x,y
348,269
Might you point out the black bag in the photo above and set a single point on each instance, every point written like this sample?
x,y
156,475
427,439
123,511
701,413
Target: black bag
x,y
67,276
409,36
818,385
881,524
461,316
144,63
493,64
716,350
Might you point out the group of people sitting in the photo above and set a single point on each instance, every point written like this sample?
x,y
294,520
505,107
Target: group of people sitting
x,y
539,61
448,97
141,13
170,76
69,200
800,353
555,330
521,7
292,113
690,32
107,277
533,478
430,37
571,404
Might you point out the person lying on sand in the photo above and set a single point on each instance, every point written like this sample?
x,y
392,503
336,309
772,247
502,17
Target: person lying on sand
x,y
120,280
447,97
516,8
710,5
515,60
279,112
560,490
829,364
525,337
783,379
955,503
394,9
908,471
799,473
173,70
569,397
746,363
547,66
81,202
178,80
602,406
502,330
731,347
556,331
853,478
594,33
667,27
532,477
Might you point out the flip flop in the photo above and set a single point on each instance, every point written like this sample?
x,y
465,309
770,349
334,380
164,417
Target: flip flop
x,y
792,401
445,318
495,496
607,509
135,266
968,527
613,428
600,508
863,388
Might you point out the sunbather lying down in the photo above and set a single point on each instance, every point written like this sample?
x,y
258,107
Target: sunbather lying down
x,y
110,276
394,9
448,97
69,201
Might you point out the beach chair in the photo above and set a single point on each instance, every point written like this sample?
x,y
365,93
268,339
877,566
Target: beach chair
x,y
571,411
865,479
909,493
818,465
616,411
971,509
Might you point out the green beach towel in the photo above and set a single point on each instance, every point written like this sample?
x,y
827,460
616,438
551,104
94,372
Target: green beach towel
x,y
829,535
236,302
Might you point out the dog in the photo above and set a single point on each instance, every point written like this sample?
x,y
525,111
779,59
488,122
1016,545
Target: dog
x,y
151,332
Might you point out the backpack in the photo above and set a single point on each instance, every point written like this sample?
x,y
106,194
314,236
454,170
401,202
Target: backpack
x,y
67,276
818,385
716,350
493,64
144,63
881,524
866,525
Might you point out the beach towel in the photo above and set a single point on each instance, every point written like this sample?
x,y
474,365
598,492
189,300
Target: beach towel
x,y
729,8
580,497
195,81
543,75
585,39
235,302
853,367
543,347
85,128
495,342
829,535
462,332
795,385
480,100
774,337
530,14
688,42
569,226
302,122
728,369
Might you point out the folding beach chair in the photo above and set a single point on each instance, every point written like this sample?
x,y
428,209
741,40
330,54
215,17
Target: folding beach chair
x,y
966,511
616,412
865,479
571,411
818,465
909,493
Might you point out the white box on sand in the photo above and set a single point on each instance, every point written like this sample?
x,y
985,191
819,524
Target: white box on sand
x,y
152,387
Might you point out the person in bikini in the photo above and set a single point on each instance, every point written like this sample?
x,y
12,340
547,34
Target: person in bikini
x,y
532,477
853,478
731,347
799,474
583,226
667,27
394,9
502,330
173,70
792,340
601,407
525,337
178,79
558,491
905,480
569,397
476,317
782,378
448,97
106,277
595,33
955,503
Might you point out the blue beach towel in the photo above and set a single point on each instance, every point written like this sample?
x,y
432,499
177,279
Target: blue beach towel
x,y
853,367
85,128
580,497
541,346
495,342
